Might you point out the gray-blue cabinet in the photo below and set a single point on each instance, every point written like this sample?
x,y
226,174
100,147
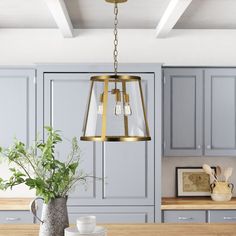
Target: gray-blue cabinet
x,y
127,169
199,112
220,112
183,109
57,95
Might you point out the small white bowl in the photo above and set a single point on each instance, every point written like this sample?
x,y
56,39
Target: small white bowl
x,y
86,224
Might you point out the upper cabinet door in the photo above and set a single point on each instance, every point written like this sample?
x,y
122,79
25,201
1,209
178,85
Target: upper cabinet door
x,y
17,119
183,116
128,167
65,100
220,110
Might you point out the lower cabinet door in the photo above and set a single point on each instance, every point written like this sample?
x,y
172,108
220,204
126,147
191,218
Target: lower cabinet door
x,y
16,217
223,216
114,214
184,216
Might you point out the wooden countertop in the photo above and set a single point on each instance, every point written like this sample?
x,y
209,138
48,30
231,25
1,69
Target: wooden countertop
x,y
138,230
17,204
196,204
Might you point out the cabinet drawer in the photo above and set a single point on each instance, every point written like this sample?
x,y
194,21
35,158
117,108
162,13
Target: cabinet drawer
x,y
106,214
222,216
184,216
16,217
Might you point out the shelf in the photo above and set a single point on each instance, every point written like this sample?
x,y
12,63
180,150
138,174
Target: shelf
x,y
203,203
15,204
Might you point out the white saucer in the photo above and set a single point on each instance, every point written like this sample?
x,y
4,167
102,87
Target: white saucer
x,y
73,231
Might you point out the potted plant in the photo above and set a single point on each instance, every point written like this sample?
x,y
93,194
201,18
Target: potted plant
x,y
39,169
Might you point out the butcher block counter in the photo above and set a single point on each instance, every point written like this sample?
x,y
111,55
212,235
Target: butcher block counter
x,y
138,230
15,204
204,203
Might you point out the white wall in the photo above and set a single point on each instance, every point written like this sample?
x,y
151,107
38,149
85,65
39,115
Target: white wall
x,y
181,47
169,164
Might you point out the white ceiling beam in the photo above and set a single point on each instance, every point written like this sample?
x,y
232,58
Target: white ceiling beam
x,y
59,11
170,17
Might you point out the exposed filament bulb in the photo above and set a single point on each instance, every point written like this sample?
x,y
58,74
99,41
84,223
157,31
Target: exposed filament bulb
x,y
127,108
100,106
118,109
100,109
118,106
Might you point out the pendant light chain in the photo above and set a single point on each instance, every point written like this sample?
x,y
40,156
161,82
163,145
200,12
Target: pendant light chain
x,y
116,39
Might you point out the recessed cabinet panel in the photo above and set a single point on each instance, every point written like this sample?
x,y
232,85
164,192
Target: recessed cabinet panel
x,y
65,103
17,119
223,104
115,155
17,102
220,110
183,112
183,90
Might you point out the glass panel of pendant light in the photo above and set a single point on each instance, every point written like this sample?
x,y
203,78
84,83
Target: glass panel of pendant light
x,y
116,110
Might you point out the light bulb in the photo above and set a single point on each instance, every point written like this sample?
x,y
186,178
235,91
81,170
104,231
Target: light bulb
x,y
100,106
128,111
100,109
118,109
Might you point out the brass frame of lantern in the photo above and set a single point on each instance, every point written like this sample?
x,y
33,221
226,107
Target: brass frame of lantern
x,y
106,79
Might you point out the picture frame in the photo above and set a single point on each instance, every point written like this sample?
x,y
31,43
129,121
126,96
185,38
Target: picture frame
x,y
192,182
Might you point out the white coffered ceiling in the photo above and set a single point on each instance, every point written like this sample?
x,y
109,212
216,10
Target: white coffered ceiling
x,y
135,14
209,14
25,14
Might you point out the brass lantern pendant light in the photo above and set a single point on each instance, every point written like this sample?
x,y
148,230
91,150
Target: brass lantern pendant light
x,y
116,109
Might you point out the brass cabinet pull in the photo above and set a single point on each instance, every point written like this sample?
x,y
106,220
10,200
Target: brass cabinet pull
x,y
229,218
185,218
12,219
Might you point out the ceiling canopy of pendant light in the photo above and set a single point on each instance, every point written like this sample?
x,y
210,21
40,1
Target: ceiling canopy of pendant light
x,y
116,108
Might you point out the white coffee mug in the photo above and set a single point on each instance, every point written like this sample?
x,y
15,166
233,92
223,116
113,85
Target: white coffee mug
x,y
86,224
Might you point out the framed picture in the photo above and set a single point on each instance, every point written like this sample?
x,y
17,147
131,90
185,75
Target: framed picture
x,y
192,182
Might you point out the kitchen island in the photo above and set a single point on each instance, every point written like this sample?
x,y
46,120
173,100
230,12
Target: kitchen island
x,y
138,230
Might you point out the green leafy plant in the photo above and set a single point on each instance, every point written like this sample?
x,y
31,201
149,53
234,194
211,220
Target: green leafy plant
x,y
38,168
